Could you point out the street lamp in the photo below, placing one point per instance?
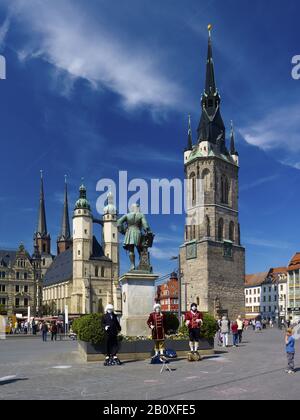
(179, 285)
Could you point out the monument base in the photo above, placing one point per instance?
(138, 298)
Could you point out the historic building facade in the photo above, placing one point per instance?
(266, 294)
(20, 276)
(294, 288)
(85, 274)
(168, 294)
(212, 257)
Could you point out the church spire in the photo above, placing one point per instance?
(210, 83)
(211, 127)
(42, 224)
(190, 138)
(232, 141)
(42, 240)
(64, 239)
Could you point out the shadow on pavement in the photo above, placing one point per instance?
(11, 381)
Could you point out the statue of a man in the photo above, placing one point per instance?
(137, 233)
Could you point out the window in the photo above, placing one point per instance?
(231, 231)
(2, 287)
(96, 271)
(221, 230)
(102, 272)
(224, 189)
(17, 275)
(17, 289)
(25, 302)
(206, 180)
(193, 187)
(25, 276)
(207, 226)
(25, 289)
(17, 301)
(78, 251)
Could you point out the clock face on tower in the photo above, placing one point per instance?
(191, 251)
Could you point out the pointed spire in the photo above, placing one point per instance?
(210, 83)
(211, 126)
(42, 224)
(65, 233)
(232, 141)
(190, 138)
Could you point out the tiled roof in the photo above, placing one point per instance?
(61, 270)
(255, 279)
(7, 257)
(295, 262)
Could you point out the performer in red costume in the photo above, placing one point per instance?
(194, 321)
(157, 323)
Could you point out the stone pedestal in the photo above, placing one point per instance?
(138, 298)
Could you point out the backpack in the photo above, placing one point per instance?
(170, 353)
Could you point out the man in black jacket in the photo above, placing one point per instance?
(112, 328)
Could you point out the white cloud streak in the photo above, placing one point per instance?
(68, 38)
(279, 128)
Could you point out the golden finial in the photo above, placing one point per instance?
(209, 28)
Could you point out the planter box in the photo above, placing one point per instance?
(141, 349)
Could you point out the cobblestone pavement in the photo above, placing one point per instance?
(31, 369)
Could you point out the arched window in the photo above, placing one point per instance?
(206, 180)
(102, 272)
(192, 186)
(224, 189)
(231, 231)
(96, 271)
(208, 227)
(221, 230)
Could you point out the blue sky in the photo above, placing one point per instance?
(96, 87)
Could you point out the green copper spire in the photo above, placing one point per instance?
(82, 202)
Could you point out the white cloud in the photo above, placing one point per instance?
(268, 243)
(279, 128)
(164, 253)
(68, 38)
(4, 28)
(259, 182)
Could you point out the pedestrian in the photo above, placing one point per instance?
(235, 333)
(219, 334)
(44, 331)
(290, 350)
(34, 327)
(240, 325)
(53, 330)
(258, 326)
(271, 323)
(224, 331)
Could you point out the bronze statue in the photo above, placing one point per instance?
(138, 235)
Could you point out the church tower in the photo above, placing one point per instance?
(82, 251)
(111, 245)
(212, 258)
(42, 239)
(64, 241)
